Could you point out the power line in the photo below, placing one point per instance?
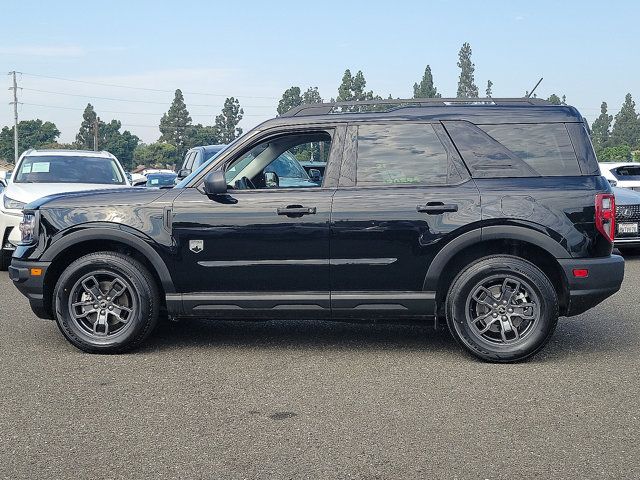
(142, 88)
(129, 113)
(130, 100)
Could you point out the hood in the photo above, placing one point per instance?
(624, 196)
(99, 198)
(28, 192)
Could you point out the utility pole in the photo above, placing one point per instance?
(96, 123)
(15, 115)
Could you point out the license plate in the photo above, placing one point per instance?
(625, 228)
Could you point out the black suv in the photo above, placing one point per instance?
(489, 214)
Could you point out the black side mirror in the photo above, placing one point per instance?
(183, 173)
(215, 183)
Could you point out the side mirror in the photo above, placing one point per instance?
(271, 180)
(139, 183)
(613, 183)
(183, 173)
(215, 183)
(315, 175)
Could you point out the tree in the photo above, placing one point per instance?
(290, 98)
(353, 88)
(619, 153)
(312, 95)
(202, 135)
(33, 134)
(175, 124)
(425, 88)
(226, 124)
(626, 129)
(156, 154)
(601, 129)
(85, 136)
(122, 145)
(556, 100)
(489, 91)
(466, 83)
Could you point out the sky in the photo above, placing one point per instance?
(255, 50)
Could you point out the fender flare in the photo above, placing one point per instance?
(115, 234)
(497, 232)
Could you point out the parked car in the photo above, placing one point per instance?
(627, 220)
(622, 175)
(39, 173)
(161, 179)
(196, 156)
(491, 216)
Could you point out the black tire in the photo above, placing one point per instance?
(474, 304)
(5, 259)
(140, 297)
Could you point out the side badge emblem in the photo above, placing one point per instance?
(196, 246)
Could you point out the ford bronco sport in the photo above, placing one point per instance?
(490, 215)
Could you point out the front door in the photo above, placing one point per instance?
(263, 246)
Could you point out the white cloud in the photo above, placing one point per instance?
(44, 51)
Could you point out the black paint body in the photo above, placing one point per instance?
(366, 252)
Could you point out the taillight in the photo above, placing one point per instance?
(606, 215)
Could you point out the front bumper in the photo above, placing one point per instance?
(31, 284)
(604, 279)
(627, 242)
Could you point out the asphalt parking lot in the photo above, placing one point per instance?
(320, 400)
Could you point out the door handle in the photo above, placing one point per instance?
(437, 208)
(296, 211)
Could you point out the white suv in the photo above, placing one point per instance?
(39, 173)
(622, 175)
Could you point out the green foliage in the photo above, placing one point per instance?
(353, 88)
(290, 98)
(175, 125)
(425, 88)
(489, 91)
(32, 133)
(601, 129)
(122, 145)
(556, 100)
(626, 129)
(202, 135)
(312, 95)
(84, 138)
(158, 154)
(466, 83)
(226, 124)
(619, 153)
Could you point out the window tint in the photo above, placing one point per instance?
(69, 169)
(188, 163)
(403, 154)
(545, 147)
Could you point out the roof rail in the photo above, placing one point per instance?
(395, 104)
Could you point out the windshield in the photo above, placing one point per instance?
(286, 166)
(69, 169)
(160, 180)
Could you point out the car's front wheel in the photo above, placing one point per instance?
(502, 308)
(106, 302)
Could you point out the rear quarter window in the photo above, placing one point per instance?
(545, 147)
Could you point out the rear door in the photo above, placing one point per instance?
(403, 193)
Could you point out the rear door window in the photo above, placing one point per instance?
(400, 154)
(545, 147)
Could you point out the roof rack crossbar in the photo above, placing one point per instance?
(331, 107)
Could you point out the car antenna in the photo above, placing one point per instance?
(528, 95)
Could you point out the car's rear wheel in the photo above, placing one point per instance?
(106, 302)
(502, 308)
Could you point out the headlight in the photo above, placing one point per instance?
(11, 204)
(28, 227)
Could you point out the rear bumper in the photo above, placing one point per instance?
(31, 286)
(604, 279)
